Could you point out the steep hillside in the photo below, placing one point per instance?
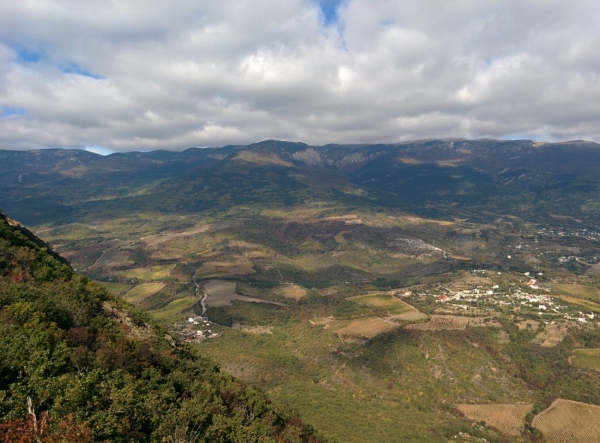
(79, 365)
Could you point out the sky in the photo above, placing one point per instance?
(121, 75)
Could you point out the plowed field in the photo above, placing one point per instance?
(567, 421)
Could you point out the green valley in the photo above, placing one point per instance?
(434, 291)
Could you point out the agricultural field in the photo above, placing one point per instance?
(143, 291)
(391, 304)
(174, 309)
(567, 421)
(507, 418)
(587, 292)
(366, 328)
(115, 288)
(148, 273)
(586, 358)
(222, 293)
(224, 269)
(294, 292)
(583, 304)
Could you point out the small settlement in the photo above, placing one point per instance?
(196, 329)
(528, 298)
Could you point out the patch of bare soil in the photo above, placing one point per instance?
(552, 335)
(321, 321)
(291, 291)
(350, 219)
(339, 237)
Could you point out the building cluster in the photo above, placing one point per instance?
(518, 298)
(588, 234)
(191, 334)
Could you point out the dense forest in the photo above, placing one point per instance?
(79, 365)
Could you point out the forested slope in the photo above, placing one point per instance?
(77, 365)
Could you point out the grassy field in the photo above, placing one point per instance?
(366, 327)
(391, 304)
(586, 358)
(356, 418)
(148, 273)
(508, 419)
(588, 305)
(580, 291)
(568, 421)
(140, 292)
(115, 288)
(224, 269)
(173, 309)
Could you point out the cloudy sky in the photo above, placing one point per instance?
(152, 74)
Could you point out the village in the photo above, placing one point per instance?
(195, 329)
(588, 234)
(528, 298)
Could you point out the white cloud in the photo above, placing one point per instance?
(133, 74)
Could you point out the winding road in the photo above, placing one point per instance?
(204, 308)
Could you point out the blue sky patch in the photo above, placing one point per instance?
(329, 9)
(29, 56)
(7, 111)
(74, 68)
(101, 150)
(523, 136)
